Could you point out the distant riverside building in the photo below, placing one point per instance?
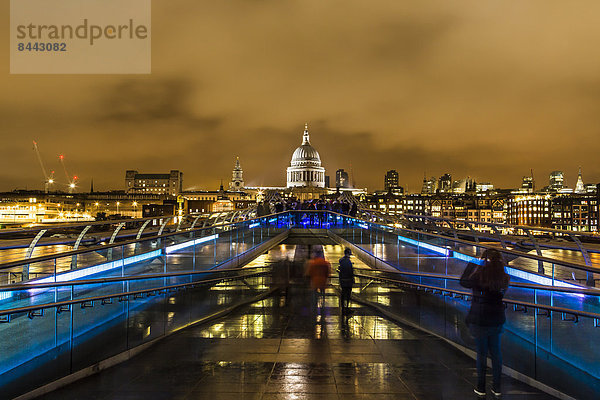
(429, 185)
(305, 169)
(394, 204)
(237, 179)
(469, 207)
(527, 184)
(341, 179)
(20, 207)
(531, 210)
(557, 181)
(575, 212)
(391, 180)
(464, 186)
(158, 210)
(484, 187)
(165, 184)
(445, 183)
(205, 201)
(579, 186)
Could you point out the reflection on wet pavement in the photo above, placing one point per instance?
(278, 349)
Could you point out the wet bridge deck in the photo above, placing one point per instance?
(280, 349)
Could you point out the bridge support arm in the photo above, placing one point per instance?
(589, 281)
(29, 253)
(77, 243)
(538, 250)
(112, 240)
(499, 235)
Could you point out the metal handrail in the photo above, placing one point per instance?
(94, 223)
(116, 279)
(574, 236)
(466, 295)
(521, 285)
(59, 304)
(12, 264)
(78, 224)
(569, 264)
(503, 225)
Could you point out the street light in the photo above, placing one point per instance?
(118, 207)
(134, 204)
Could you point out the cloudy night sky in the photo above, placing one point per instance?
(486, 89)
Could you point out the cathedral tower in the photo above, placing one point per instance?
(237, 179)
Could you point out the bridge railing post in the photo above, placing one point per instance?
(194, 258)
(215, 245)
(419, 238)
(231, 238)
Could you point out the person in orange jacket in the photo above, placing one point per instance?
(318, 271)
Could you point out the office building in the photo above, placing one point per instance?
(341, 179)
(162, 184)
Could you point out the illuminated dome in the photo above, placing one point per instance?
(305, 168)
(306, 154)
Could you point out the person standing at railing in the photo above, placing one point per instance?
(346, 277)
(486, 316)
(353, 210)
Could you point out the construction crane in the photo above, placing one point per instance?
(48, 179)
(71, 181)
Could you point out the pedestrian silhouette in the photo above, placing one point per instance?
(486, 316)
(346, 278)
(318, 270)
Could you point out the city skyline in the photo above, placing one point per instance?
(376, 178)
(432, 88)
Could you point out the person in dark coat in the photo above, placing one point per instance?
(353, 210)
(345, 208)
(346, 277)
(486, 317)
(281, 277)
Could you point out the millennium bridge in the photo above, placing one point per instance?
(195, 307)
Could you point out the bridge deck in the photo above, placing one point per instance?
(278, 349)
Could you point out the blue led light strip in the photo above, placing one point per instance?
(96, 269)
(517, 273)
(254, 225)
(434, 248)
(179, 246)
(541, 279)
